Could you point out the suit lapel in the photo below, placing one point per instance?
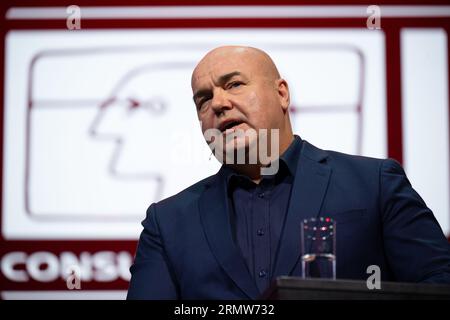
(306, 199)
(214, 213)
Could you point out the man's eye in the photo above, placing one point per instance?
(234, 84)
(201, 104)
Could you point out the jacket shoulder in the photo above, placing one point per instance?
(185, 197)
(348, 162)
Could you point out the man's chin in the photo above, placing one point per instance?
(237, 151)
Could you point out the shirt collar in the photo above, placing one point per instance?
(291, 155)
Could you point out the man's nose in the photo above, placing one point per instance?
(220, 102)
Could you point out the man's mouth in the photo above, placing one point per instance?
(230, 125)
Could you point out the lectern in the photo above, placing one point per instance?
(293, 288)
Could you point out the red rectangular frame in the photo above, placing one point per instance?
(390, 25)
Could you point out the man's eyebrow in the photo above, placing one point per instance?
(226, 77)
(222, 79)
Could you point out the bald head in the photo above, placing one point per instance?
(239, 56)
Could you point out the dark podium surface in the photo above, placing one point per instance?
(293, 288)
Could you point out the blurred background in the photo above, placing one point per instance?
(98, 120)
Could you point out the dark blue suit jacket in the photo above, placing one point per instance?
(186, 250)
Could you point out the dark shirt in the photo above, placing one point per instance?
(258, 213)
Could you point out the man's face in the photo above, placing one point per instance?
(235, 89)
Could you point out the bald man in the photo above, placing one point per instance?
(237, 88)
(229, 235)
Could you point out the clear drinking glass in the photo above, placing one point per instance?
(318, 248)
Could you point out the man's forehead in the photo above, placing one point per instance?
(248, 61)
(205, 77)
(218, 64)
(213, 72)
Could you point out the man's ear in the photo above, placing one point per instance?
(283, 94)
